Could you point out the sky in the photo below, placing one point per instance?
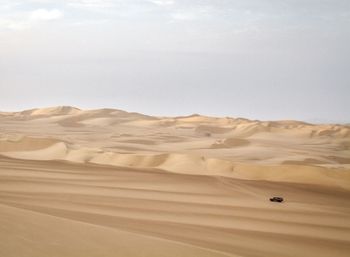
(258, 59)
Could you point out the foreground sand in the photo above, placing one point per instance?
(111, 183)
(61, 209)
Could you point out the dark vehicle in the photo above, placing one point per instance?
(276, 199)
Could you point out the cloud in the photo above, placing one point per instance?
(26, 20)
(162, 2)
(13, 24)
(193, 13)
(91, 4)
(184, 16)
(45, 15)
(41, 1)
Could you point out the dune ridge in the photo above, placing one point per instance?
(175, 162)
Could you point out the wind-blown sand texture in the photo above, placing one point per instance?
(112, 183)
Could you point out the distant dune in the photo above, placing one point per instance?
(203, 145)
(192, 185)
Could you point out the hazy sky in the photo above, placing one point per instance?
(262, 59)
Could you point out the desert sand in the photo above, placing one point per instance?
(108, 182)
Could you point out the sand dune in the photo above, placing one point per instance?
(291, 171)
(230, 143)
(51, 111)
(112, 183)
(89, 210)
(25, 144)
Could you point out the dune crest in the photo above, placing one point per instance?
(24, 143)
(290, 171)
(52, 111)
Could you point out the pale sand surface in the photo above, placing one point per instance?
(111, 183)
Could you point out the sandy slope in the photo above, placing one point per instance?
(289, 151)
(111, 183)
(60, 209)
